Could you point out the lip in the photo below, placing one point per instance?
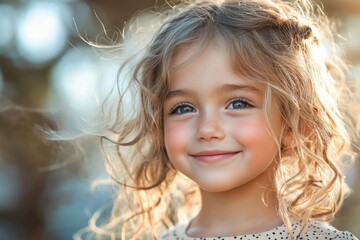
(213, 156)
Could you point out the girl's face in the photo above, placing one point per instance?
(214, 122)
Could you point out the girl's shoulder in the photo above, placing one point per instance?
(177, 232)
(324, 230)
(314, 230)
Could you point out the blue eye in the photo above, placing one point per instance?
(238, 104)
(182, 109)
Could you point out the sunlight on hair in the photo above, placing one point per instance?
(320, 52)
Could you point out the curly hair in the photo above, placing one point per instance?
(293, 44)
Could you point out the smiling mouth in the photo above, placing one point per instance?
(213, 157)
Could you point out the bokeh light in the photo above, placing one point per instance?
(74, 79)
(42, 32)
(1, 81)
(353, 35)
(9, 194)
(79, 82)
(45, 65)
(7, 26)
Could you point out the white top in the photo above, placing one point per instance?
(314, 230)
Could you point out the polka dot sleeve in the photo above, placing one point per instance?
(314, 230)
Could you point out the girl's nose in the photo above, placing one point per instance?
(210, 130)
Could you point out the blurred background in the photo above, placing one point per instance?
(46, 68)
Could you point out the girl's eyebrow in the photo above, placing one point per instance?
(233, 87)
(223, 88)
(179, 93)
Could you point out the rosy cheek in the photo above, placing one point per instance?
(175, 137)
(248, 130)
(170, 140)
(252, 133)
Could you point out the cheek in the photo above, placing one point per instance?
(251, 131)
(254, 136)
(175, 137)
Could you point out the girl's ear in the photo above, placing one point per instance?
(287, 138)
(304, 129)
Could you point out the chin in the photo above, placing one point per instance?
(217, 187)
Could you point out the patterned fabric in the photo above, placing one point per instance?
(314, 230)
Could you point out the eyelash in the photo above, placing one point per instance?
(174, 109)
(242, 100)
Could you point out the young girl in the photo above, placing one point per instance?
(238, 130)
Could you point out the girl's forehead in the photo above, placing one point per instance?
(204, 49)
(188, 52)
(210, 61)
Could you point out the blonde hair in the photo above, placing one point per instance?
(293, 44)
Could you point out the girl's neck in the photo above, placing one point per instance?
(236, 212)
